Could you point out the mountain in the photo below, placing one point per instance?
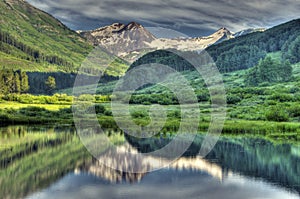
(131, 40)
(192, 44)
(33, 40)
(242, 52)
(248, 31)
(119, 38)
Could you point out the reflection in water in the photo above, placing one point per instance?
(252, 157)
(278, 164)
(37, 158)
(123, 161)
(34, 159)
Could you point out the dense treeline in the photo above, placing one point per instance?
(239, 57)
(271, 40)
(42, 83)
(240, 53)
(291, 50)
(13, 81)
(39, 82)
(164, 57)
(269, 70)
(31, 53)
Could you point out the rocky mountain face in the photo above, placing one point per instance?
(120, 39)
(192, 44)
(132, 40)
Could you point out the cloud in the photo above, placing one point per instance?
(193, 17)
(164, 185)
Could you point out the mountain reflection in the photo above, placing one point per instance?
(123, 161)
(277, 164)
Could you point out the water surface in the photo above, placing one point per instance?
(47, 162)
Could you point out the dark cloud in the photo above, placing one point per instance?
(191, 17)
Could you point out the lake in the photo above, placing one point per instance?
(50, 162)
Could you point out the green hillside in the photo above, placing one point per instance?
(33, 40)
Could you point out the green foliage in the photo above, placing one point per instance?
(269, 70)
(86, 97)
(282, 97)
(61, 99)
(100, 109)
(13, 82)
(51, 84)
(239, 57)
(233, 99)
(164, 57)
(294, 111)
(277, 114)
(34, 36)
(271, 40)
(291, 50)
(147, 99)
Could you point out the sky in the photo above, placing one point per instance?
(190, 17)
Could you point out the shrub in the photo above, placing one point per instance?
(86, 97)
(33, 111)
(277, 114)
(108, 113)
(65, 110)
(282, 97)
(233, 99)
(294, 111)
(139, 114)
(100, 109)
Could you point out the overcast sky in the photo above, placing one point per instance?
(191, 17)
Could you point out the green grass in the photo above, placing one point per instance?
(42, 32)
(16, 106)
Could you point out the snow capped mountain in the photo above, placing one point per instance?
(119, 38)
(192, 44)
(132, 40)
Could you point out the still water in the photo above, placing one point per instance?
(51, 162)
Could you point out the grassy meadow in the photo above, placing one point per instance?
(270, 110)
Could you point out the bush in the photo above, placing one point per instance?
(65, 111)
(282, 97)
(270, 102)
(33, 111)
(100, 109)
(233, 99)
(294, 89)
(294, 111)
(108, 113)
(87, 98)
(139, 114)
(277, 114)
(203, 96)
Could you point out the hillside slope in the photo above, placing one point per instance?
(27, 33)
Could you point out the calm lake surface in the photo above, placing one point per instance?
(48, 162)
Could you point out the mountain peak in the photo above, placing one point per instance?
(133, 25)
(223, 29)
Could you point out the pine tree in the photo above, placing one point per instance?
(17, 83)
(269, 70)
(24, 82)
(51, 84)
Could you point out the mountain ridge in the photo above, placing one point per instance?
(130, 40)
